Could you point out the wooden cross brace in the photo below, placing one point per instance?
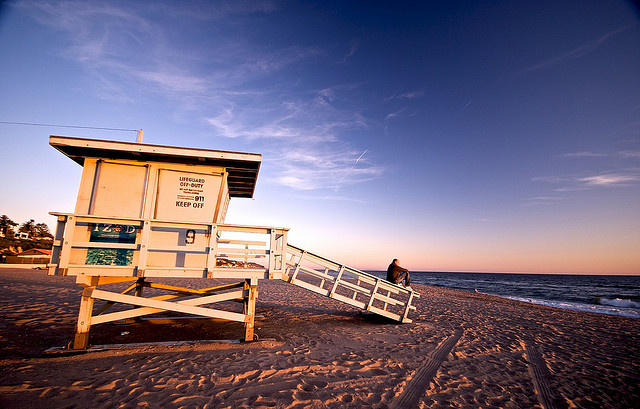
(246, 292)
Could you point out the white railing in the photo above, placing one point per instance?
(115, 246)
(348, 285)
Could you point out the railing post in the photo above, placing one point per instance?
(335, 283)
(282, 251)
(213, 249)
(57, 244)
(326, 272)
(355, 293)
(298, 266)
(373, 295)
(144, 248)
(272, 252)
(67, 241)
(408, 307)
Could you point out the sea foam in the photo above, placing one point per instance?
(599, 309)
(619, 302)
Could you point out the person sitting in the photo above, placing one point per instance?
(397, 274)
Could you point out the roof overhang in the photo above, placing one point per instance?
(242, 168)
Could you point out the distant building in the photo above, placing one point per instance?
(21, 236)
(31, 256)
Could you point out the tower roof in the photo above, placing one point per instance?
(242, 167)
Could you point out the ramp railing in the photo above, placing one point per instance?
(348, 285)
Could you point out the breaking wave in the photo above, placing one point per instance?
(622, 311)
(619, 302)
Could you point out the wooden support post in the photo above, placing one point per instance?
(81, 339)
(139, 287)
(250, 297)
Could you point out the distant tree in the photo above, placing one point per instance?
(42, 230)
(28, 227)
(6, 225)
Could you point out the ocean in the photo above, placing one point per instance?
(603, 294)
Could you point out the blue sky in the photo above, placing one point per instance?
(453, 135)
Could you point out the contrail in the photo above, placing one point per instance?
(576, 53)
(335, 188)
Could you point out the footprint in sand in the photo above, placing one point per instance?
(348, 398)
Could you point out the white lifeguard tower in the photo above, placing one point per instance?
(148, 211)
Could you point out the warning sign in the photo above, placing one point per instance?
(191, 192)
(187, 196)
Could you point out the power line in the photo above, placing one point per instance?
(69, 126)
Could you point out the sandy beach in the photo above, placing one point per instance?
(463, 349)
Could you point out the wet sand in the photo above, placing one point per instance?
(463, 349)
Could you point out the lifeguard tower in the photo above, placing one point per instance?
(146, 212)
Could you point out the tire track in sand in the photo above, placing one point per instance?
(541, 375)
(418, 385)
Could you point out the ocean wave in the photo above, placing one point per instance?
(621, 286)
(619, 302)
(598, 309)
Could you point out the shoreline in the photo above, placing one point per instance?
(463, 348)
(581, 307)
(587, 293)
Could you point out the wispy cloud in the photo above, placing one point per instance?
(134, 42)
(407, 95)
(237, 88)
(311, 121)
(355, 44)
(306, 138)
(275, 61)
(587, 155)
(624, 175)
(175, 81)
(610, 179)
(395, 114)
(623, 178)
(220, 9)
(576, 52)
(401, 100)
(540, 200)
(333, 198)
(630, 154)
(96, 31)
(584, 155)
(308, 170)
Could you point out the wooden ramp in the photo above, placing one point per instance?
(348, 285)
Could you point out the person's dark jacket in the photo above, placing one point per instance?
(394, 271)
